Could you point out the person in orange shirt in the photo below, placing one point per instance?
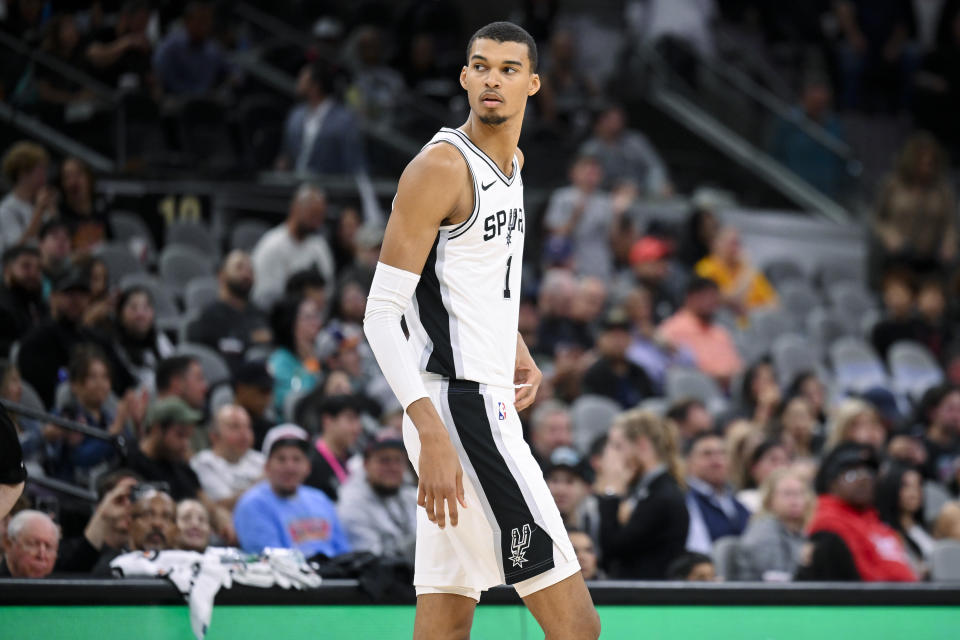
(743, 286)
(693, 327)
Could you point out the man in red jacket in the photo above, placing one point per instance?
(848, 540)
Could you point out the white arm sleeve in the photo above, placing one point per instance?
(389, 297)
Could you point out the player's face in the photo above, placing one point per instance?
(498, 80)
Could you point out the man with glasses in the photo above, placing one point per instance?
(848, 541)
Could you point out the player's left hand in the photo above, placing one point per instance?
(526, 373)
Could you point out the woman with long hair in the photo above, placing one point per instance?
(856, 420)
(136, 340)
(899, 502)
(84, 213)
(296, 323)
(643, 515)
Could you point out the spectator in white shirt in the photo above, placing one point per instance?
(231, 466)
(30, 199)
(296, 245)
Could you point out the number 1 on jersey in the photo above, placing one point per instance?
(506, 282)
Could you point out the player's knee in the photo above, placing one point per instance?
(582, 627)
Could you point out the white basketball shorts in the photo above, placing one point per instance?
(511, 531)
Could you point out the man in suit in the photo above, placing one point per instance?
(320, 134)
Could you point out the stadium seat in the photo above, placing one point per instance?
(220, 397)
(200, 293)
(195, 235)
(179, 265)
(246, 234)
(691, 383)
(913, 368)
(798, 298)
(29, 397)
(119, 260)
(852, 301)
(831, 270)
(824, 327)
(792, 354)
(128, 226)
(591, 416)
(945, 561)
(724, 553)
(856, 366)
(768, 324)
(783, 271)
(214, 366)
(657, 406)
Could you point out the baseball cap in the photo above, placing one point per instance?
(615, 318)
(72, 279)
(255, 374)
(52, 225)
(567, 459)
(386, 441)
(846, 456)
(172, 410)
(284, 434)
(648, 249)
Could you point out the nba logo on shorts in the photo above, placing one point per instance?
(501, 411)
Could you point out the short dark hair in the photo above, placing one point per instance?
(170, 368)
(506, 32)
(678, 411)
(305, 279)
(680, 568)
(81, 358)
(15, 252)
(698, 284)
(106, 483)
(703, 435)
(283, 317)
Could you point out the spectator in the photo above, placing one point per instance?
(899, 500)
(349, 223)
(188, 61)
(567, 95)
(857, 421)
(162, 453)
(947, 524)
(13, 471)
(293, 246)
(378, 509)
(612, 375)
(182, 377)
(743, 287)
(193, 526)
(83, 211)
(308, 283)
(340, 429)
(569, 478)
(30, 546)
(320, 135)
(21, 295)
(795, 424)
(28, 431)
(557, 327)
(253, 392)
(699, 231)
(153, 526)
(693, 327)
(550, 429)
(296, 323)
(899, 321)
(690, 417)
(56, 91)
(75, 457)
(102, 305)
(230, 466)
(797, 150)
(136, 340)
(376, 89)
(936, 332)
(30, 200)
(55, 250)
(647, 349)
(643, 520)
(120, 54)
(626, 155)
(586, 550)
(849, 540)
(942, 432)
(759, 395)
(762, 461)
(281, 511)
(649, 262)
(915, 224)
(46, 349)
(807, 384)
(692, 567)
(231, 325)
(714, 510)
(771, 546)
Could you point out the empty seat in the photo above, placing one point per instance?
(220, 397)
(128, 226)
(246, 234)
(200, 293)
(852, 301)
(215, 368)
(792, 354)
(913, 368)
(945, 561)
(782, 271)
(691, 383)
(179, 265)
(824, 327)
(195, 235)
(725, 553)
(119, 260)
(798, 298)
(856, 366)
(831, 270)
(768, 324)
(591, 416)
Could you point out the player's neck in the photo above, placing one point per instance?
(497, 141)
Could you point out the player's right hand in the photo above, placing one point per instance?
(441, 479)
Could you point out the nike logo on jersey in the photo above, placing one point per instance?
(487, 186)
(495, 223)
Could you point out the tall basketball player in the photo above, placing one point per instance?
(442, 321)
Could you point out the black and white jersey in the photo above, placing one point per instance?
(463, 318)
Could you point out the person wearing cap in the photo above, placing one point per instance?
(21, 295)
(281, 511)
(693, 327)
(847, 538)
(743, 287)
(54, 251)
(231, 465)
(231, 324)
(378, 509)
(612, 375)
(649, 259)
(253, 392)
(45, 350)
(340, 429)
(569, 477)
(163, 451)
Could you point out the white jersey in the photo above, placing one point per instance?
(462, 322)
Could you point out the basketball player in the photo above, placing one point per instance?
(442, 321)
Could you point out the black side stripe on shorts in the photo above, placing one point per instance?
(434, 317)
(526, 549)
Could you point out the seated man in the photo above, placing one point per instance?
(253, 392)
(153, 526)
(230, 466)
(568, 476)
(21, 295)
(162, 453)
(341, 426)
(714, 511)
(30, 546)
(281, 512)
(378, 511)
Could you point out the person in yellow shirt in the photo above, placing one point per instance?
(743, 286)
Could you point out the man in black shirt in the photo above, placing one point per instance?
(12, 471)
(21, 295)
(161, 456)
(613, 375)
(120, 55)
(340, 417)
(232, 324)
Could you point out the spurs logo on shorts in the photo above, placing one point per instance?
(519, 542)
